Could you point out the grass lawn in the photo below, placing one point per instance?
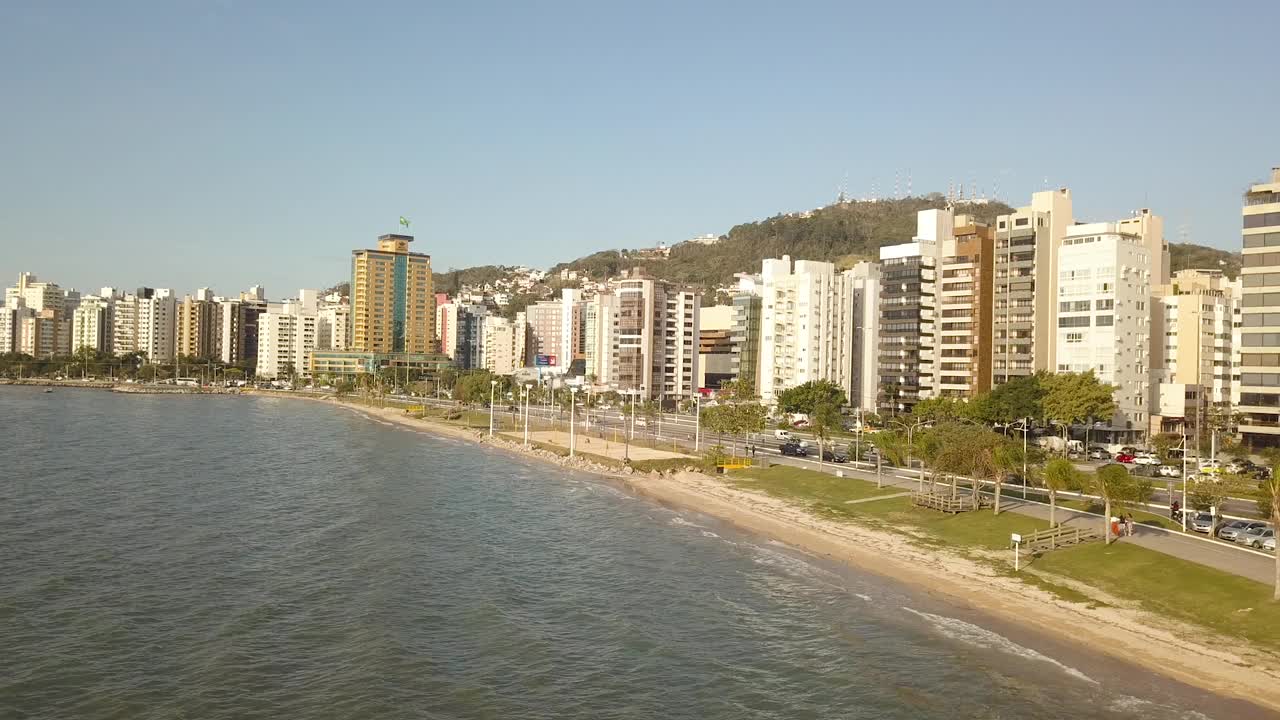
(1159, 583)
(1173, 588)
(828, 495)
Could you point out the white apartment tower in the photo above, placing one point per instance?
(1103, 316)
(287, 337)
(1192, 320)
(865, 296)
(806, 323)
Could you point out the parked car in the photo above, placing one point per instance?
(1124, 457)
(1240, 466)
(1254, 537)
(1230, 531)
(781, 435)
(1099, 454)
(1211, 466)
(793, 449)
(1169, 471)
(1269, 544)
(1202, 523)
(829, 455)
(1129, 450)
(1146, 459)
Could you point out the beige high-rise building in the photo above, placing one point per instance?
(1260, 316)
(1191, 347)
(392, 307)
(964, 302)
(1024, 315)
(199, 328)
(655, 344)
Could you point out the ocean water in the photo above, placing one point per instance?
(223, 557)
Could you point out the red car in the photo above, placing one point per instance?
(1124, 458)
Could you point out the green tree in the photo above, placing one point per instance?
(824, 419)
(1114, 485)
(1006, 458)
(892, 446)
(1073, 398)
(1059, 474)
(804, 398)
(940, 409)
(1021, 397)
(1164, 444)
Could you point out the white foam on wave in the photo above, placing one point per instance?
(708, 533)
(971, 634)
(677, 520)
(862, 596)
(1128, 703)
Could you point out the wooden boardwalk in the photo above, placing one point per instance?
(946, 503)
(1058, 537)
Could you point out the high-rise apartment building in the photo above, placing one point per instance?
(199, 326)
(715, 346)
(544, 335)
(1260, 316)
(10, 322)
(1103, 317)
(806, 324)
(287, 337)
(1024, 304)
(238, 327)
(498, 344)
(91, 324)
(392, 305)
(597, 329)
(908, 314)
(745, 335)
(46, 330)
(333, 326)
(964, 307)
(1192, 320)
(865, 294)
(572, 339)
(156, 320)
(655, 352)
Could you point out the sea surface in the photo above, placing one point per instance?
(232, 557)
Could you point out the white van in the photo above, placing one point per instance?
(781, 435)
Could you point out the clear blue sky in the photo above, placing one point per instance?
(184, 144)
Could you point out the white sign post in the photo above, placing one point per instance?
(1017, 543)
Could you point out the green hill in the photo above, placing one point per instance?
(841, 233)
(1183, 256)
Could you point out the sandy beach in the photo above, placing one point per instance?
(1208, 661)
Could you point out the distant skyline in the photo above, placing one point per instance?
(226, 144)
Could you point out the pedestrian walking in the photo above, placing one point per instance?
(1128, 524)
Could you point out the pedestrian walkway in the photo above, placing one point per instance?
(877, 497)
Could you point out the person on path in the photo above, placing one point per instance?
(1128, 524)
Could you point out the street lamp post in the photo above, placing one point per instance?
(528, 390)
(697, 420)
(493, 387)
(573, 406)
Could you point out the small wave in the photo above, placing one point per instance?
(981, 637)
(862, 597)
(1128, 703)
(677, 520)
(708, 533)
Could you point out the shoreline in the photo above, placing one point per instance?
(1209, 663)
(1125, 634)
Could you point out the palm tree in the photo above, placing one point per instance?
(1006, 458)
(1059, 475)
(1114, 484)
(824, 418)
